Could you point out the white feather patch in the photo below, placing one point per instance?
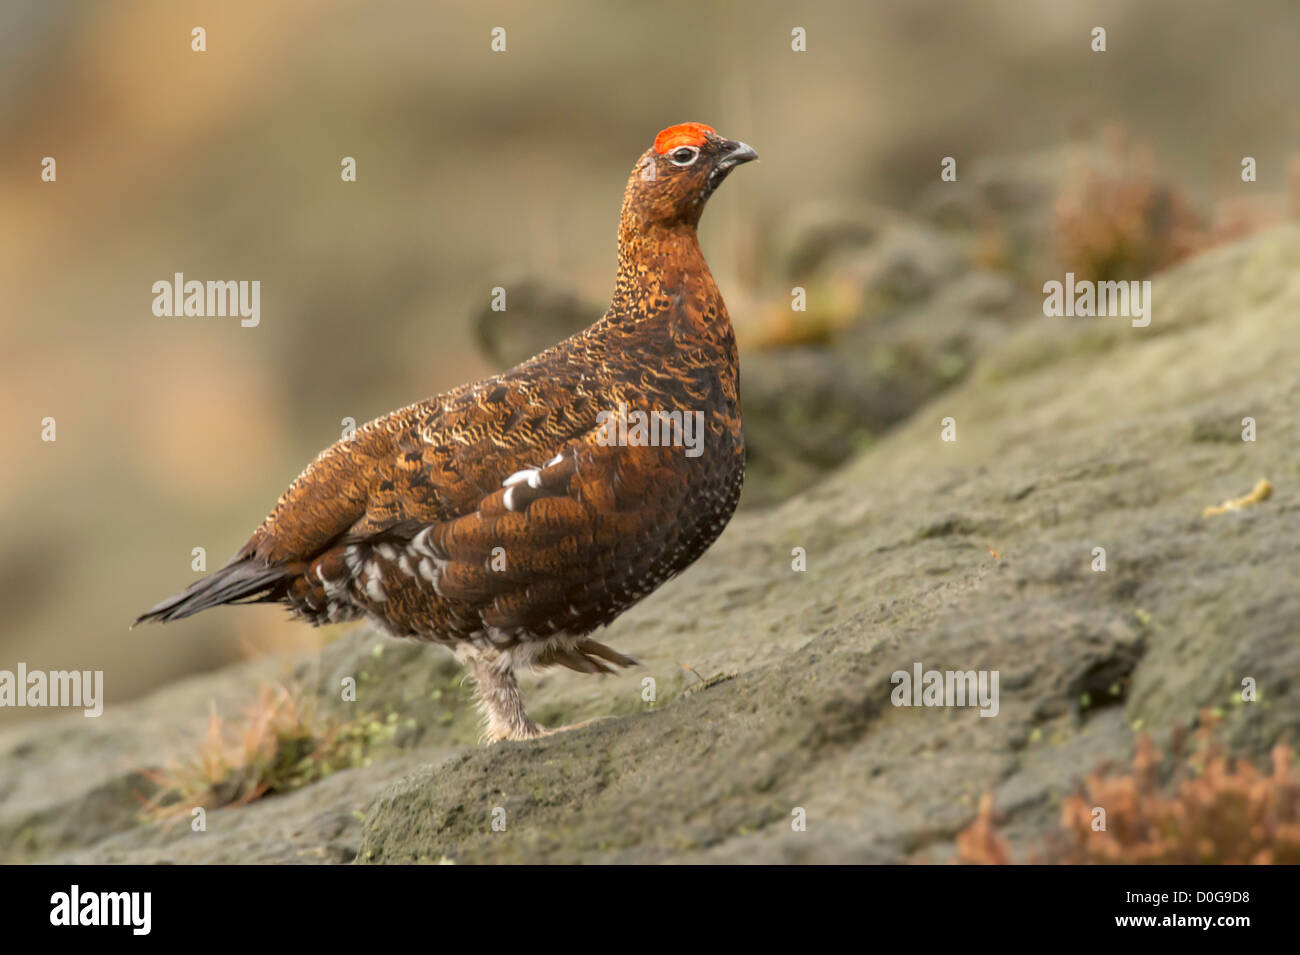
(423, 543)
(527, 474)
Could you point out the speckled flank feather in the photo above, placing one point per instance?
(492, 519)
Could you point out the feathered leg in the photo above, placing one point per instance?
(499, 699)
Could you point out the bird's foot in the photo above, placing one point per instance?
(530, 730)
(496, 732)
(572, 726)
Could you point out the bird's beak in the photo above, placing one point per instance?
(737, 154)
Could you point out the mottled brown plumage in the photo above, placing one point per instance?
(496, 519)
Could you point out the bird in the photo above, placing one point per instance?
(509, 519)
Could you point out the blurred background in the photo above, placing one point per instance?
(478, 169)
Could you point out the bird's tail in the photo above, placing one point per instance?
(243, 580)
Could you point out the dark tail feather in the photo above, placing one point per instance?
(584, 658)
(241, 581)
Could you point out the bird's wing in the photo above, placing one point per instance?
(431, 461)
(427, 463)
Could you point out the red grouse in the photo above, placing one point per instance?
(510, 518)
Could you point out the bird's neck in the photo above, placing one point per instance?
(659, 265)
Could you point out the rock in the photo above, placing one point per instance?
(817, 233)
(865, 260)
(895, 314)
(907, 263)
(1099, 207)
(538, 314)
(1010, 198)
(810, 408)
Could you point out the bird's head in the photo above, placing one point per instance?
(675, 176)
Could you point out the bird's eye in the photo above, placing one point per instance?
(684, 156)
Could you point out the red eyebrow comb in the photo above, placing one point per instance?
(686, 134)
